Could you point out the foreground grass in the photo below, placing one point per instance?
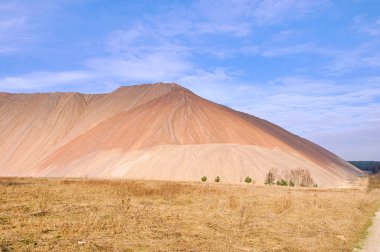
(98, 215)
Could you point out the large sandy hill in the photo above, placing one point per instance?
(152, 131)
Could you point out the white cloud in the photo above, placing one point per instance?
(215, 84)
(13, 22)
(229, 17)
(156, 66)
(305, 104)
(105, 73)
(284, 35)
(363, 25)
(43, 79)
(365, 56)
(273, 11)
(248, 13)
(339, 61)
(277, 51)
(122, 40)
(20, 21)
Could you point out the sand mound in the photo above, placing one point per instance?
(158, 131)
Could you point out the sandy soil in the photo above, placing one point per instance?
(373, 242)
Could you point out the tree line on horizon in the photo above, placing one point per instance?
(369, 166)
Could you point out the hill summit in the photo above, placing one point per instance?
(152, 131)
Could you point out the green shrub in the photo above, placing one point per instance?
(217, 179)
(204, 179)
(315, 185)
(282, 182)
(248, 179)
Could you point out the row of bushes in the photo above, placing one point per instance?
(217, 179)
(297, 177)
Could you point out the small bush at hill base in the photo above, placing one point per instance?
(247, 179)
(282, 182)
(217, 179)
(204, 179)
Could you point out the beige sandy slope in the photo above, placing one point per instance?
(231, 162)
(159, 131)
(32, 126)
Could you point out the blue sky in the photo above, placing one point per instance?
(312, 67)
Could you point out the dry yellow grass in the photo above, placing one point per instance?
(99, 215)
(374, 182)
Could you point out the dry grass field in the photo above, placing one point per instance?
(100, 215)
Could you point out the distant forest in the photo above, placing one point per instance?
(371, 166)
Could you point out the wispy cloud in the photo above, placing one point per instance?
(338, 61)
(284, 35)
(149, 67)
(272, 11)
(36, 80)
(13, 22)
(6, 25)
(305, 104)
(364, 56)
(22, 21)
(363, 25)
